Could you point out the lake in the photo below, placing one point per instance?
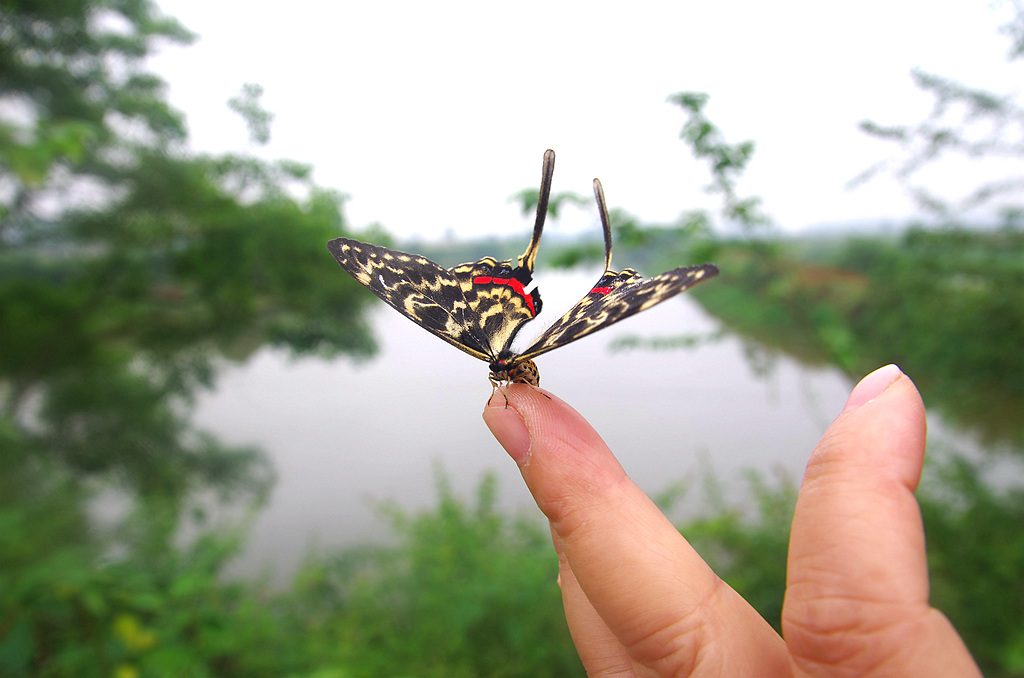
(343, 435)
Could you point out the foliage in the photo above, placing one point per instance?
(747, 545)
(948, 305)
(975, 557)
(945, 305)
(752, 261)
(528, 198)
(71, 87)
(257, 119)
(973, 127)
(726, 163)
(128, 267)
(158, 611)
(465, 591)
(126, 262)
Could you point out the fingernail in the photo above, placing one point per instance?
(508, 427)
(872, 386)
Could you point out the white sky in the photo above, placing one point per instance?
(430, 115)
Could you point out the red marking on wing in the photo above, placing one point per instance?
(511, 282)
(601, 290)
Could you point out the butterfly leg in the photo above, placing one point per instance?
(539, 391)
(525, 372)
(496, 386)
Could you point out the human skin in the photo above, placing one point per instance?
(639, 601)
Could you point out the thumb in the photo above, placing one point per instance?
(857, 582)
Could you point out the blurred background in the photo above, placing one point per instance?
(222, 456)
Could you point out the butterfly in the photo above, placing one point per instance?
(480, 307)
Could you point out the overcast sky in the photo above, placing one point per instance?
(430, 115)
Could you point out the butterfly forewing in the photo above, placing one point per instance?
(615, 296)
(416, 287)
(477, 307)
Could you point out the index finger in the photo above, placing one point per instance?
(644, 580)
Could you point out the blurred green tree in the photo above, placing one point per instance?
(975, 129)
(129, 264)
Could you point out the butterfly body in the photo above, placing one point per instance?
(479, 307)
(514, 371)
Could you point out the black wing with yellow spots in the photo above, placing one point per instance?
(615, 296)
(478, 307)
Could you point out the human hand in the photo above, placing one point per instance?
(640, 601)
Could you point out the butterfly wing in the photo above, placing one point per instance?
(499, 303)
(615, 296)
(477, 307)
(416, 287)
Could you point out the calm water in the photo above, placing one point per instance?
(344, 435)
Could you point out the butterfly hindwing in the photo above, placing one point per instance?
(498, 301)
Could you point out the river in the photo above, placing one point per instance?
(344, 435)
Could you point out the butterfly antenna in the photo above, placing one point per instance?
(602, 207)
(542, 210)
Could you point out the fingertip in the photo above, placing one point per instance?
(872, 386)
(884, 400)
(553, 445)
(883, 421)
(510, 408)
(508, 427)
